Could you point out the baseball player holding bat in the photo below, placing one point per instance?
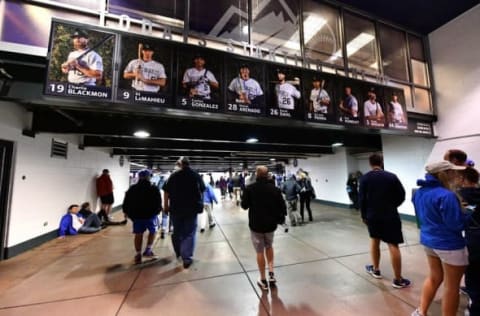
(372, 109)
(245, 88)
(83, 66)
(286, 92)
(146, 73)
(198, 80)
(319, 98)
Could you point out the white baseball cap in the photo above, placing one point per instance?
(444, 165)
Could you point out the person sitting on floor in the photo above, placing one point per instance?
(85, 210)
(73, 223)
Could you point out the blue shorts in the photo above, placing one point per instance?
(141, 225)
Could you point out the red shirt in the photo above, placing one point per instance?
(104, 185)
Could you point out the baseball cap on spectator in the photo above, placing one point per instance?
(444, 165)
(79, 33)
(144, 174)
(147, 46)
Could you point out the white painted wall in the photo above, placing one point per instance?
(328, 174)
(50, 184)
(406, 157)
(455, 55)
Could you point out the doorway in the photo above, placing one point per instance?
(6, 152)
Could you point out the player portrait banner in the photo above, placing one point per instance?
(319, 102)
(285, 93)
(374, 106)
(199, 80)
(349, 103)
(80, 62)
(145, 71)
(245, 87)
(396, 109)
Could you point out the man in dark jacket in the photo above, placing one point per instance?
(142, 204)
(183, 193)
(379, 196)
(266, 209)
(291, 189)
(470, 193)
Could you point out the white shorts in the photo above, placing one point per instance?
(457, 257)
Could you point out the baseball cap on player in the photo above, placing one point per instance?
(444, 165)
(198, 55)
(244, 66)
(144, 174)
(147, 46)
(281, 71)
(79, 33)
(316, 79)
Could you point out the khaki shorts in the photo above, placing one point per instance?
(261, 241)
(457, 257)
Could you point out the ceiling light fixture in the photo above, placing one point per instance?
(337, 144)
(252, 140)
(141, 134)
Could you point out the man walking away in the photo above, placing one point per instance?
(379, 196)
(291, 188)
(142, 204)
(183, 198)
(266, 209)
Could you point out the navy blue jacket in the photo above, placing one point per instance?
(142, 200)
(379, 195)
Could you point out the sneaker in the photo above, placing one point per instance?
(202, 230)
(212, 225)
(375, 273)
(416, 313)
(271, 279)
(138, 258)
(263, 284)
(148, 253)
(400, 284)
(187, 264)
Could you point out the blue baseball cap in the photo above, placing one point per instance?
(144, 174)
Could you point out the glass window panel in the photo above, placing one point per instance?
(393, 51)
(419, 72)
(361, 43)
(407, 91)
(422, 101)
(152, 10)
(321, 33)
(416, 48)
(225, 19)
(275, 25)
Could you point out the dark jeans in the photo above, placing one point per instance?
(472, 282)
(91, 225)
(305, 201)
(183, 237)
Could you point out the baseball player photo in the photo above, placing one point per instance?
(397, 117)
(372, 110)
(244, 93)
(199, 85)
(348, 107)
(286, 94)
(146, 68)
(80, 62)
(318, 103)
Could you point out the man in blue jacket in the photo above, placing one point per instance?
(208, 199)
(380, 194)
(73, 223)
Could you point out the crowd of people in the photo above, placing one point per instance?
(445, 202)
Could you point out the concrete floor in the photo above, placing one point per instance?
(319, 268)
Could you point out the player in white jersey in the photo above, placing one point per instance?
(372, 109)
(396, 111)
(319, 98)
(146, 73)
(82, 66)
(246, 89)
(199, 80)
(285, 92)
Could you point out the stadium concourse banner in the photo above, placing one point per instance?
(97, 64)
